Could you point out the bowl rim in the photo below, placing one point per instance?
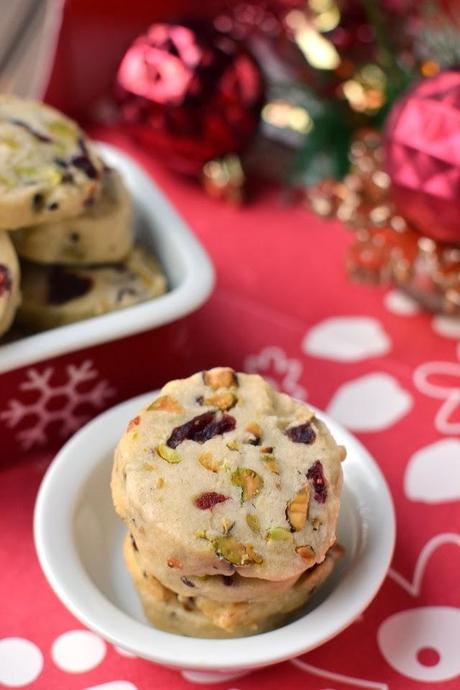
(190, 293)
(58, 556)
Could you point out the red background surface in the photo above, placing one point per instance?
(280, 272)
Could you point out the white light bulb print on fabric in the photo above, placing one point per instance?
(370, 403)
(347, 339)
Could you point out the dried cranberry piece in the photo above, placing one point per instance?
(82, 146)
(208, 500)
(64, 285)
(38, 202)
(133, 422)
(5, 279)
(201, 428)
(188, 604)
(89, 201)
(133, 542)
(84, 163)
(228, 580)
(316, 476)
(304, 433)
(38, 135)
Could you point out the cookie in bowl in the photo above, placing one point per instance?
(231, 490)
(197, 616)
(79, 541)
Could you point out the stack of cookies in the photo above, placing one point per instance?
(69, 219)
(230, 492)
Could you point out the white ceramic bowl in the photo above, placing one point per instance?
(159, 227)
(78, 540)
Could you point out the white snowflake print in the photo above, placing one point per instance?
(278, 369)
(39, 414)
(428, 379)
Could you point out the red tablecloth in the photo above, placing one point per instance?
(283, 307)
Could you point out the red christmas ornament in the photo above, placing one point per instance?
(189, 94)
(422, 151)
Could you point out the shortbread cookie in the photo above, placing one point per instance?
(222, 474)
(269, 613)
(164, 608)
(102, 234)
(201, 617)
(9, 282)
(216, 587)
(48, 168)
(58, 295)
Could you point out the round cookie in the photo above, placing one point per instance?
(48, 169)
(10, 294)
(269, 613)
(102, 234)
(58, 295)
(163, 608)
(223, 474)
(216, 587)
(202, 617)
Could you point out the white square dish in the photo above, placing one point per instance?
(187, 266)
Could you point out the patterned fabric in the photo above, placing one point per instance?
(284, 308)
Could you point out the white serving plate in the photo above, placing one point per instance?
(79, 539)
(159, 227)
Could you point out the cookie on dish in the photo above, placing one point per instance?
(201, 617)
(221, 474)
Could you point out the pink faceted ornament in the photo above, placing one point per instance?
(422, 151)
